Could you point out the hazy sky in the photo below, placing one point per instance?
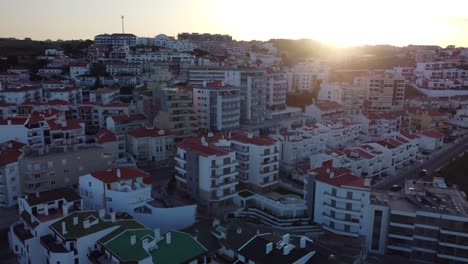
(341, 22)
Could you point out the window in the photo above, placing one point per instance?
(89, 184)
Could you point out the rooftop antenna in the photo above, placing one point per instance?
(123, 28)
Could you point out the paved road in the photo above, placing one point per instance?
(434, 163)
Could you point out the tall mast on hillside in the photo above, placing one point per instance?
(123, 28)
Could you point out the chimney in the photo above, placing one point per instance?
(102, 213)
(258, 232)
(65, 209)
(46, 209)
(287, 249)
(332, 175)
(285, 238)
(118, 173)
(64, 228)
(215, 222)
(367, 182)
(86, 224)
(239, 230)
(9, 122)
(168, 238)
(229, 135)
(250, 135)
(161, 132)
(145, 244)
(37, 194)
(269, 248)
(210, 134)
(75, 220)
(302, 242)
(157, 234)
(203, 141)
(113, 217)
(133, 240)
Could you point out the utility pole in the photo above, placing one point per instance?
(123, 28)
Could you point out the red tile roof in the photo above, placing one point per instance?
(144, 131)
(340, 177)
(70, 124)
(194, 144)
(105, 135)
(8, 156)
(254, 140)
(58, 102)
(328, 105)
(359, 151)
(432, 134)
(15, 120)
(218, 84)
(126, 173)
(408, 135)
(13, 144)
(128, 118)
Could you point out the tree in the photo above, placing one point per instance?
(12, 60)
(98, 69)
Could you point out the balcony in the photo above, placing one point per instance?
(341, 221)
(224, 184)
(342, 199)
(180, 178)
(339, 232)
(270, 154)
(52, 245)
(224, 165)
(342, 210)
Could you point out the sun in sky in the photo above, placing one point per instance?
(338, 22)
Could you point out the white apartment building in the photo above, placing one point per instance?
(431, 139)
(198, 75)
(104, 95)
(341, 131)
(384, 92)
(341, 200)
(206, 171)
(66, 132)
(118, 190)
(21, 94)
(305, 74)
(300, 144)
(10, 186)
(111, 143)
(217, 106)
(37, 212)
(116, 68)
(128, 189)
(258, 158)
(350, 96)
(30, 130)
(70, 94)
(77, 70)
(150, 144)
(324, 110)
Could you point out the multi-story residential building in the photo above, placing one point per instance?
(300, 144)
(407, 72)
(426, 221)
(217, 106)
(150, 144)
(203, 37)
(176, 112)
(78, 69)
(431, 139)
(426, 119)
(253, 89)
(20, 94)
(115, 39)
(121, 124)
(305, 75)
(365, 161)
(381, 123)
(384, 92)
(66, 133)
(118, 68)
(95, 115)
(60, 167)
(104, 95)
(324, 110)
(277, 86)
(128, 189)
(70, 94)
(37, 212)
(32, 130)
(350, 96)
(206, 171)
(258, 159)
(341, 200)
(10, 189)
(341, 131)
(111, 143)
(198, 75)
